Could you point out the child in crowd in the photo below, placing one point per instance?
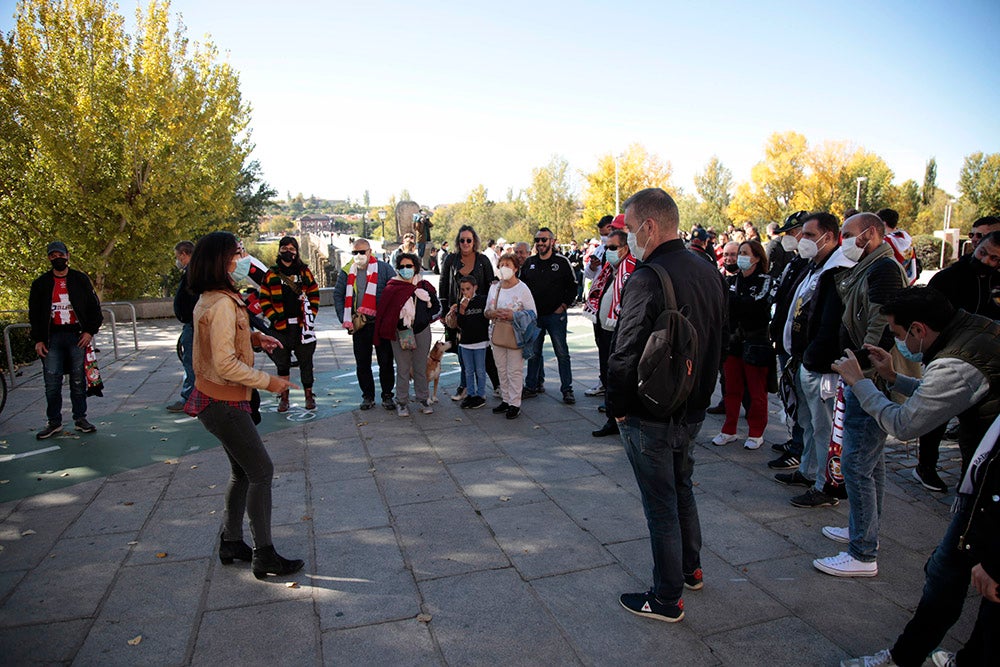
(474, 341)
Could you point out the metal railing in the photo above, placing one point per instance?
(114, 335)
(7, 346)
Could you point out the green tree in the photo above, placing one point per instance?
(905, 199)
(550, 198)
(928, 192)
(637, 169)
(253, 196)
(979, 183)
(774, 181)
(715, 187)
(876, 189)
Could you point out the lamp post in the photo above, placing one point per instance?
(616, 186)
(364, 224)
(857, 196)
(947, 226)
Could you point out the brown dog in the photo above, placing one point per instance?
(434, 366)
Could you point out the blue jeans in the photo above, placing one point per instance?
(64, 357)
(555, 326)
(662, 458)
(945, 587)
(474, 367)
(862, 460)
(815, 418)
(187, 350)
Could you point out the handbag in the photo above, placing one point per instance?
(757, 353)
(359, 320)
(407, 339)
(503, 331)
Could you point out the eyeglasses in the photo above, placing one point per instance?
(359, 252)
(406, 266)
(466, 240)
(542, 239)
(612, 247)
(976, 235)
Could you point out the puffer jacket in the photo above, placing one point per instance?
(864, 290)
(223, 349)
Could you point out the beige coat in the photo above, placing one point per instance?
(223, 349)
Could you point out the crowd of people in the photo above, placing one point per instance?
(826, 314)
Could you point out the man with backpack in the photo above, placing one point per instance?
(657, 421)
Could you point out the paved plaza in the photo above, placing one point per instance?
(458, 538)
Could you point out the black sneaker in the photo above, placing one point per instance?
(602, 408)
(367, 403)
(793, 479)
(782, 447)
(694, 581)
(466, 402)
(814, 498)
(929, 479)
(646, 604)
(84, 426)
(784, 462)
(388, 403)
(568, 397)
(503, 407)
(529, 393)
(49, 431)
(476, 402)
(513, 412)
(609, 428)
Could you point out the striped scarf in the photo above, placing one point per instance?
(368, 300)
(593, 305)
(625, 269)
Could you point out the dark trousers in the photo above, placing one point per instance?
(291, 340)
(65, 356)
(945, 587)
(603, 338)
(798, 432)
(363, 341)
(662, 458)
(249, 489)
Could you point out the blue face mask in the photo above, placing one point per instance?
(242, 269)
(743, 262)
(916, 357)
(406, 274)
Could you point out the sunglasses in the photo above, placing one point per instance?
(542, 239)
(611, 247)
(465, 240)
(359, 252)
(976, 235)
(406, 266)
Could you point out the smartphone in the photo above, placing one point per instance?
(864, 358)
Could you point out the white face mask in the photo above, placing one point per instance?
(808, 249)
(789, 242)
(852, 250)
(637, 250)
(505, 273)
(604, 239)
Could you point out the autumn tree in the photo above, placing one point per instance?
(876, 189)
(774, 181)
(637, 169)
(979, 183)
(715, 187)
(550, 199)
(117, 144)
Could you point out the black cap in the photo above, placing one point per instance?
(57, 246)
(699, 234)
(792, 221)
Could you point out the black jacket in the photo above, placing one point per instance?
(782, 291)
(551, 282)
(448, 290)
(815, 330)
(473, 324)
(981, 535)
(698, 287)
(749, 310)
(969, 289)
(82, 297)
(184, 301)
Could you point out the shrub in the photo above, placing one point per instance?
(928, 249)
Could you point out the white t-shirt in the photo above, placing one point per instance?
(517, 297)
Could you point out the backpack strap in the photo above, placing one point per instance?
(669, 298)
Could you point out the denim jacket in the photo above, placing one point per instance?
(525, 331)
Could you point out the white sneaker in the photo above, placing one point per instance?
(596, 390)
(459, 395)
(753, 443)
(724, 439)
(402, 411)
(881, 659)
(846, 565)
(837, 534)
(425, 408)
(943, 658)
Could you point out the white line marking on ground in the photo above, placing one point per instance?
(22, 455)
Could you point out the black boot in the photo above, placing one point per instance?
(230, 550)
(267, 561)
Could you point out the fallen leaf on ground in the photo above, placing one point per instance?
(64, 474)
(27, 532)
(362, 423)
(424, 618)
(212, 486)
(292, 584)
(163, 439)
(135, 640)
(536, 427)
(171, 462)
(127, 503)
(132, 543)
(193, 467)
(161, 554)
(4, 481)
(153, 428)
(306, 517)
(458, 419)
(504, 498)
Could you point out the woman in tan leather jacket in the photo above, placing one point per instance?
(225, 377)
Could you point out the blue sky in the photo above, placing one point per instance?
(438, 97)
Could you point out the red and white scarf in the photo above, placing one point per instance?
(597, 287)
(625, 269)
(371, 287)
(613, 277)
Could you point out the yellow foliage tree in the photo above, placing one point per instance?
(637, 169)
(774, 182)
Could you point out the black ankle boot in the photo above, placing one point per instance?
(230, 550)
(267, 561)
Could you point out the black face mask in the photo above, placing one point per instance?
(731, 268)
(979, 268)
(288, 257)
(59, 263)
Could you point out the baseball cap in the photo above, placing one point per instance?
(57, 246)
(792, 221)
(618, 222)
(699, 234)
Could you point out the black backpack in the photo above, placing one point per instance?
(668, 362)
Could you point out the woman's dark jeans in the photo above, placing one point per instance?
(249, 487)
